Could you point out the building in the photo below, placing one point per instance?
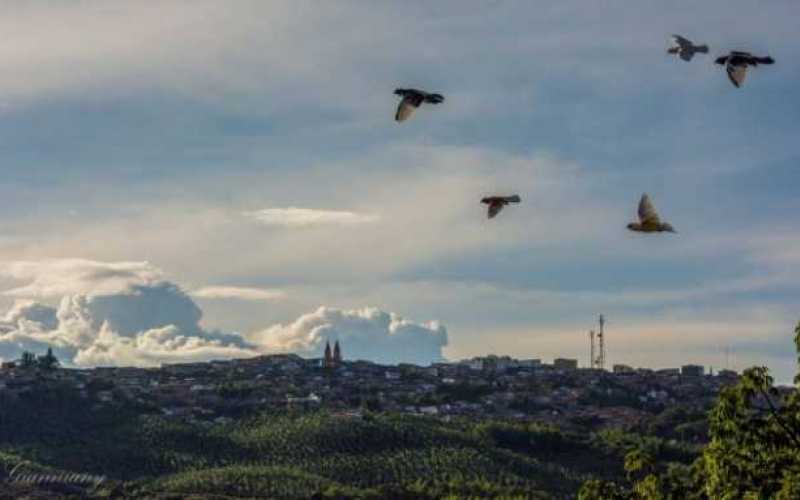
(303, 402)
(565, 364)
(692, 370)
(473, 364)
(332, 359)
(530, 363)
(621, 369)
(337, 354)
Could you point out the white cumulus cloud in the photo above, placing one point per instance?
(125, 314)
(156, 324)
(59, 277)
(367, 333)
(238, 292)
(305, 217)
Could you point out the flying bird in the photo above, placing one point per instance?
(649, 222)
(496, 203)
(736, 64)
(686, 49)
(412, 98)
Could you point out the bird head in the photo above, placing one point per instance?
(634, 226)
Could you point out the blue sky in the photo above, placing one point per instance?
(135, 132)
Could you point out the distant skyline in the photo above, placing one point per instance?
(193, 179)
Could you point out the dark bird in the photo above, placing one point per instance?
(686, 49)
(412, 98)
(496, 203)
(736, 64)
(649, 222)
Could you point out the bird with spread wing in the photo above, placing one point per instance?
(685, 48)
(649, 221)
(497, 203)
(412, 99)
(736, 64)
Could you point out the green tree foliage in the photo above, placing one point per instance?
(755, 438)
(27, 360)
(753, 452)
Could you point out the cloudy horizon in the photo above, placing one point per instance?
(199, 179)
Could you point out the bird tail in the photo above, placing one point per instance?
(513, 199)
(434, 98)
(764, 60)
(673, 50)
(702, 49)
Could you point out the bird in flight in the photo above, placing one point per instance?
(412, 98)
(686, 49)
(496, 203)
(736, 64)
(649, 222)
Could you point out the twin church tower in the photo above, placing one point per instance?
(335, 359)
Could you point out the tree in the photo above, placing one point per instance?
(755, 438)
(27, 360)
(754, 449)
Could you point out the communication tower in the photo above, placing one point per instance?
(601, 340)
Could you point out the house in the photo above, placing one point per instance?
(692, 370)
(105, 396)
(565, 364)
(310, 400)
(621, 369)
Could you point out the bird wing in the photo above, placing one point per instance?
(682, 42)
(494, 208)
(736, 74)
(434, 98)
(687, 54)
(647, 212)
(405, 109)
(514, 198)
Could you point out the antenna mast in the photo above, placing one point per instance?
(592, 361)
(601, 357)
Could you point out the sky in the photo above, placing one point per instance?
(196, 180)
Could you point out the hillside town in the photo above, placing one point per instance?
(491, 386)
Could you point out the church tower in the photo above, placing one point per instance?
(328, 357)
(337, 354)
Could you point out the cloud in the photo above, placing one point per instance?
(27, 310)
(155, 347)
(364, 334)
(143, 321)
(306, 217)
(238, 292)
(143, 325)
(58, 277)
